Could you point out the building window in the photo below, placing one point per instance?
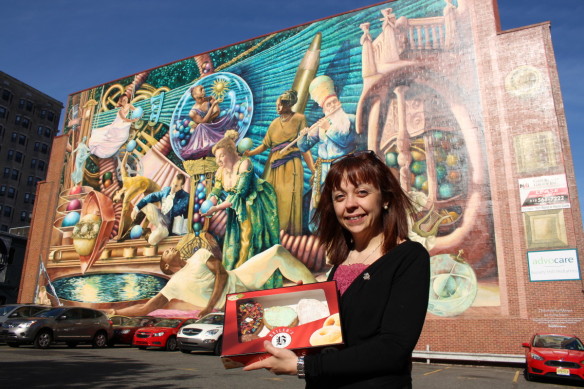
(32, 198)
(3, 112)
(50, 116)
(11, 192)
(41, 165)
(29, 106)
(15, 174)
(6, 172)
(6, 94)
(44, 148)
(40, 130)
(33, 163)
(7, 211)
(43, 113)
(22, 139)
(25, 122)
(29, 180)
(10, 155)
(37, 146)
(2, 190)
(18, 156)
(17, 119)
(47, 132)
(21, 103)
(23, 216)
(26, 198)
(13, 137)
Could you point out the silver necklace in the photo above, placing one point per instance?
(368, 256)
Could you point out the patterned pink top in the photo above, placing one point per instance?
(346, 274)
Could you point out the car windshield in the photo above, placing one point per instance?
(54, 312)
(171, 323)
(558, 342)
(211, 319)
(5, 309)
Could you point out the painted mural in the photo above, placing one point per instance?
(228, 150)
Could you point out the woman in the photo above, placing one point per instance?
(106, 141)
(284, 169)
(252, 219)
(382, 276)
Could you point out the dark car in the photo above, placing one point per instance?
(554, 356)
(72, 325)
(125, 327)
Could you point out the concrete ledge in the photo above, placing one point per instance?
(506, 358)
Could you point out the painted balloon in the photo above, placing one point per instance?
(71, 219)
(207, 204)
(136, 232)
(76, 190)
(137, 113)
(244, 145)
(74, 205)
(131, 145)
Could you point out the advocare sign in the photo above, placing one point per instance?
(553, 265)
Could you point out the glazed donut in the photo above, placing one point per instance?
(250, 316)
(326, 335)
(333, 320)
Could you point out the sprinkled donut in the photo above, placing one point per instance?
(250, 317)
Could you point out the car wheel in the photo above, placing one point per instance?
(171, 344)
(12, 344)
(43, 339)
(100, 340)
(183, 350)
(71, 344)
(528, 375)
(218, 346)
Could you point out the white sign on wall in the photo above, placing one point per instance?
(545, 192)
(553, 265)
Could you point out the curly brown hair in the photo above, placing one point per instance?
(361, 168)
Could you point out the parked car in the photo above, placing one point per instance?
(162, 334)
(205, 334)
(125, 327)
(13, 311)
(554, 355)
(72, 325)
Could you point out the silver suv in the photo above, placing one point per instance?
(13, 311)
(63, 324)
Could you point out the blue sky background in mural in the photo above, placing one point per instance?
(61, 47)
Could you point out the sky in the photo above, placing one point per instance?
(63, 46)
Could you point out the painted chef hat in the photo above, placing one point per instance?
(321, 88)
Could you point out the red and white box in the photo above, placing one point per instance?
(303, 318)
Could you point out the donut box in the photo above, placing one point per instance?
(303, 318)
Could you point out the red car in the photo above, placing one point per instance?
(553, 355)
(125, 327)
(162, 334)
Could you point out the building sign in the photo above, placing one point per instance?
(542, 193)
(553, 265)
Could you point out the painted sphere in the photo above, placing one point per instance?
(441, 172)
(107, 176)
(451, 160)
(197, 227)
(445, 191)
(418, 167)
(183, 142)
(207, 204)
(196, 207)
(131, 145)
(453, 176)
(137, 113)
(438, 135)
(200, 187)
(419, 181)
(74, 205)
(425, 186)
(244, 145)
(196, 217)
(76, 190)
(107, 183)
(418, 155)
(391, 159)
(71, 219)
(136, 232)
(201, 195)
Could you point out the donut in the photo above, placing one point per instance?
(311, 310)
(333, 320)
(275, 317)
(250, 318)
(326, 335)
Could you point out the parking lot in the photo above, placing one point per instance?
(126, 367)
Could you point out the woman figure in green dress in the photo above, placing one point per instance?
(251, 206)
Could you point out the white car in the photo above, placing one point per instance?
(205, 334)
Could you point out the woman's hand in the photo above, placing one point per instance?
(210, 212)
(282, 361)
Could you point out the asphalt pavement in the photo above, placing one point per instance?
(126, 367)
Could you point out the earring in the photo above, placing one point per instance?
(386, 207)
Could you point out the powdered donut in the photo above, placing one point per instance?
(311, 310)
(250, 318)
(333, 320)
(326, 335)
(275, 317)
